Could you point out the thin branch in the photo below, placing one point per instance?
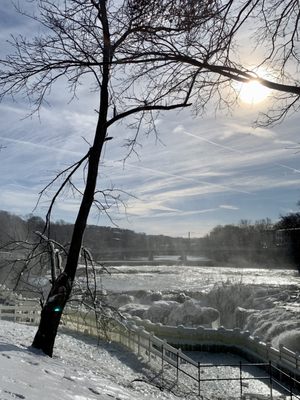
(73, 169)
(145, 108)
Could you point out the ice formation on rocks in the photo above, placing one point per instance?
(270, 312)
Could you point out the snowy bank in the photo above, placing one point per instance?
(80, 370)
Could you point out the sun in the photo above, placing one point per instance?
(253, 92)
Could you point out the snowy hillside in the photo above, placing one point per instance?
(79, 370)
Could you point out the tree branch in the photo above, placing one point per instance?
(146, 108)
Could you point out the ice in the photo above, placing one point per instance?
(159, 311)
(265, 311)
(265, 302)
(289, 339)
(170, 312)
(191, 313)
(134, 309)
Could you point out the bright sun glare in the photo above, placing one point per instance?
(253, 92)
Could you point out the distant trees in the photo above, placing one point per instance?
(11, 227)
(105, 243)
(289, 221)
(288, 235)
(245, 243)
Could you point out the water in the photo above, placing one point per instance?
(185, 278)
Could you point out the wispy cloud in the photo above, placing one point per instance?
(228, 207)
(189, 179)
(38, 146)
(232, 129)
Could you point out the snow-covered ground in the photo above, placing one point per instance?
(81, 370)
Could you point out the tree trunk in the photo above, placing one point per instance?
(62, 287)
(51, 314)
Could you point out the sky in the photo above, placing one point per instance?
(203, 171)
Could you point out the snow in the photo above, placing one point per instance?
(80, 369)
(83, 370)
(224, 366)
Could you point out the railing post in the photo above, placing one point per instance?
(199, 378)
(271, 380)
(280, 351)
(177, 366)
(162, 362)
(291, 386)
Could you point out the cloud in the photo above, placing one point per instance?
(228, 207)
(213, 186)
(295, 145)
(17, 200)
(233, 128)
(156, 210)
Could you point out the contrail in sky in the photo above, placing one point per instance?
(184, 178)
(40, 146)
(213, 143)
(286, 166)
(235, 150)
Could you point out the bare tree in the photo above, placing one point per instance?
(210, 52)
(144, 56)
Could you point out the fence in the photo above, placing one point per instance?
(238, 341)
(158, 351)
(162, 354)
(20, 313)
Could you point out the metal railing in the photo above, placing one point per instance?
(203, 339)
(160, 354)
(20, 313)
